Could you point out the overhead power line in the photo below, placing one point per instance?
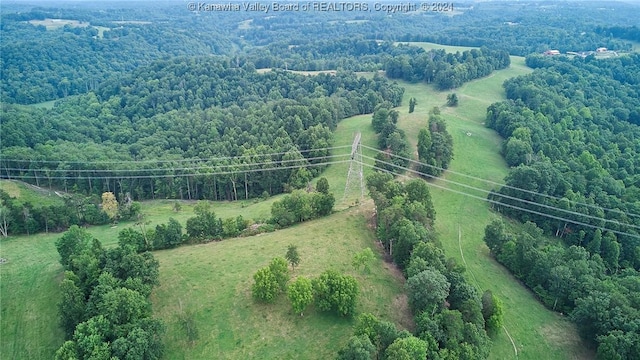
(499, 203)
(618, 211)
(509, 197)
(239, 168)
(45, 172)
(160, 161)
(185, 174)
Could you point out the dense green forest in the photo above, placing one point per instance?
(572, 136)
(158, 131)
(39, 64)
(573, 140)
(156, 100)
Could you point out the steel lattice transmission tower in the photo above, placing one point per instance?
(355, 168)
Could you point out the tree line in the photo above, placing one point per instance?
(248, 133)
(574, 280)
(572, 139)
(105, 309)
(453, 320)
(18, 217)
(622, 32)
(447, 70)
(435, 145)
(391, 139)
(520, 29)
(39, 64)
(206, 226)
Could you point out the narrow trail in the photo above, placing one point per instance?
(515, 349)
(463, 260)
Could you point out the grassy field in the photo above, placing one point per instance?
(29, 193)
(29, 279)
(53, 24)
(534, 329)
(430, 46)
(214, 282)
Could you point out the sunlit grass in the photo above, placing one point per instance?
(213, 280)
(535, 330)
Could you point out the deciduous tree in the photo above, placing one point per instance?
(72, 305)
(427, 290)
(452, 99)
(409, 348)
(292, 256)
(280, 271)
(363, 259)
(491, 312)
(336, 292)
(265, 286)
(358, 348)
(110, 205)
(73, 242)
(412, 104)
(322, 186)
(300, 293)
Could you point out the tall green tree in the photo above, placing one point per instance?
(280, 271)
(323, 185)
(265, 286)
(408, 348)
(72, 305)
(73, 242)
(452, 99)
(358, 348)
(336, 293)
(300, 293)
(427, 290)
(492, 312)
(412, 104)
(292, 256)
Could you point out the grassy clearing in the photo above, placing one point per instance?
(29, 279)
(29, 286)
(28, 193)
(43, 105)
(53, 24)
(534, 329)
(214, 282)
(430, 46)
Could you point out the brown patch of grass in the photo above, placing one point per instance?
(401, 305)
(564, 334)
